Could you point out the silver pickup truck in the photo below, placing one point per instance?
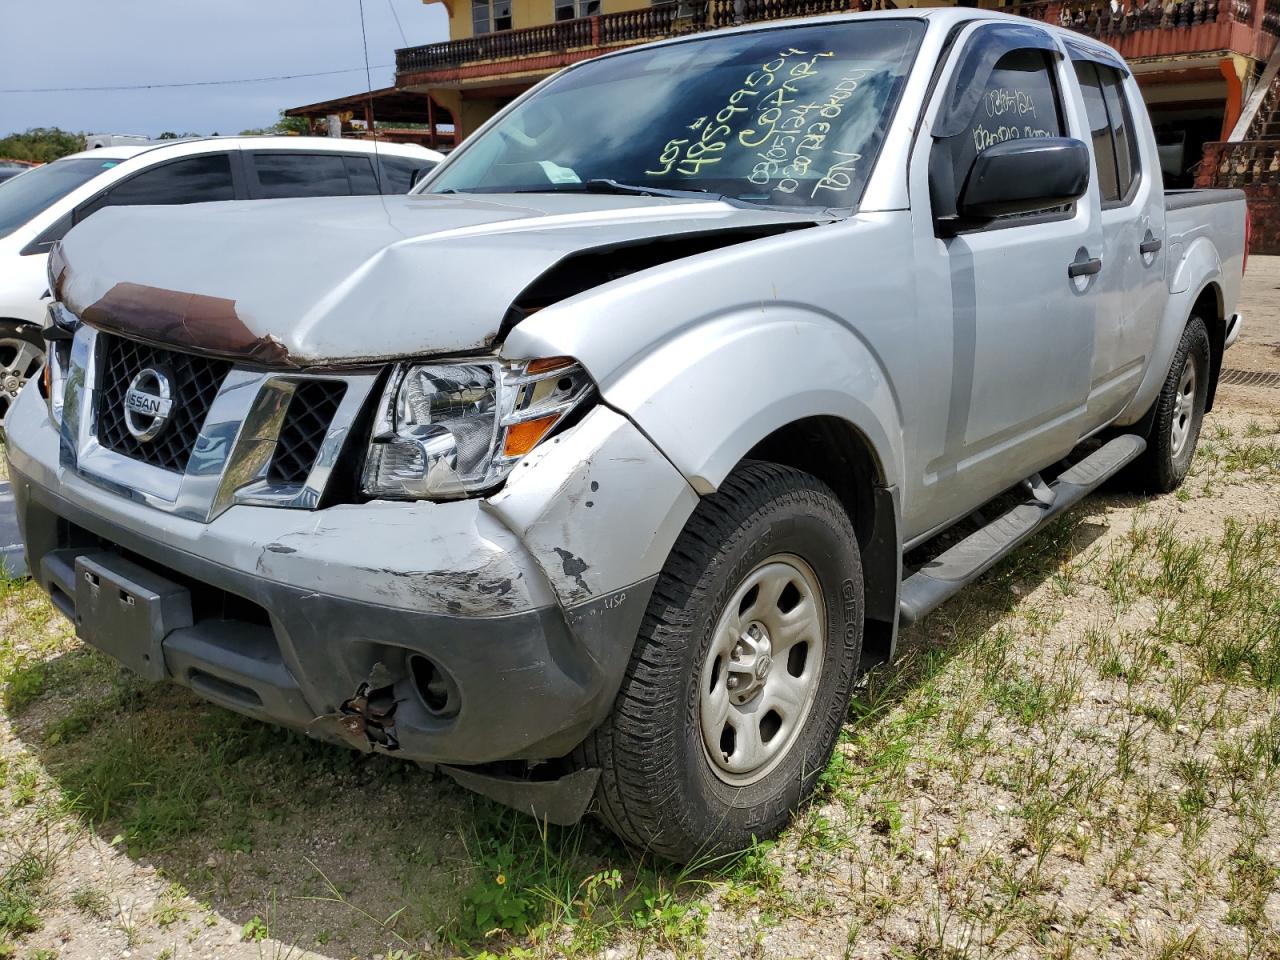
(586, 472)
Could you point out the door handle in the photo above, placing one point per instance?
(1150, 245)
(1084, 268)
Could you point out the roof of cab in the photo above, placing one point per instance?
(310, 144)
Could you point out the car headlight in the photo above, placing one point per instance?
(450, 430)
(58, 331)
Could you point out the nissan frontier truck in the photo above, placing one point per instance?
(586, 472)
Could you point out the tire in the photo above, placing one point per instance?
(21, 358)
(1178, 416)
(662, 788)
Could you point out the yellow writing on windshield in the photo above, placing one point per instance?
(782, 116)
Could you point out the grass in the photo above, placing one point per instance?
(1078, 757)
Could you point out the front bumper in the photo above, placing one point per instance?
(520, 608)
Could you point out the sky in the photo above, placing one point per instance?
(94, 43)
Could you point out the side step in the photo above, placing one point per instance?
(946, 575)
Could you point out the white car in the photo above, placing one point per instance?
(38, 207)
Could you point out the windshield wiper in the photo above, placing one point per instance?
(601, 185)
(613, 186)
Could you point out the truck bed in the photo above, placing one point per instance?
(1200, 222)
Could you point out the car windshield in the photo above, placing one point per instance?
(791, 116)
(24, 196)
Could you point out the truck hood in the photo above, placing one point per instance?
(342, 280)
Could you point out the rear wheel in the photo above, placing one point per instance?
(1179, 413)
(21, 359)
(742, 671)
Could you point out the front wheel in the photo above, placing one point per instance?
(21, 359)
(739, 681)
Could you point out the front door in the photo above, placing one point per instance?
(1020, 328)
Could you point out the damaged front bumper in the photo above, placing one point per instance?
(459, 633)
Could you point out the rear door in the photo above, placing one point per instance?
(1021, 332)
(1130, 287)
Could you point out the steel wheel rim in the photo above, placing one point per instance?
(1184, 405)
(20, 360)
(768, 643)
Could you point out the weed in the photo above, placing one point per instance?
(22, 884)
(92, 902)
(255, 931)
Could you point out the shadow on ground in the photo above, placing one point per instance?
(349, 854)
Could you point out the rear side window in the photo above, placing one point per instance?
(193, 180)
(1122, 130)
(1099, 130)
(301, 175)
(1115, 144)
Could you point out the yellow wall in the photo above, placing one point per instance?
(535, 13)
(526, 13)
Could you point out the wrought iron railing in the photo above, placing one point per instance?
(1098, 18)
(614, 29)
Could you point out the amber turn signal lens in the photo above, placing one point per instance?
(548, 363)
(46, 379)
(523, 437)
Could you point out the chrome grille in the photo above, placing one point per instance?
(306, 423)
(196, 381)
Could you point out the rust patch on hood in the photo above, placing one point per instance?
(193, 321)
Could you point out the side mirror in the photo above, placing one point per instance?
(1023, 176)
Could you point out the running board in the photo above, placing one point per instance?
(947, 574)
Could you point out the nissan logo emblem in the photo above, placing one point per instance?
(148, 403)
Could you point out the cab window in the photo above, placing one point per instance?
(1019, 100)
(299, 174)
(193, 180)
(1004, 87)
(1122, 129)
(1115, 146)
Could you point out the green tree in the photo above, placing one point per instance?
(284, 125)
(41, 144)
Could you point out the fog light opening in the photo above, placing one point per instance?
(437, 690)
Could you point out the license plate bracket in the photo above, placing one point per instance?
(126, 611)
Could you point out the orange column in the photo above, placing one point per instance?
(1235, 96)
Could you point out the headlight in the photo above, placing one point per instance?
(449, 430)
(59, 331)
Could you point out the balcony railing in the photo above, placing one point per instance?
(1136, 28)
(1163, 28)
(615, 29)
(1098, 19)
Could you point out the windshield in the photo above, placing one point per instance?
(790, 116)
(27, 194)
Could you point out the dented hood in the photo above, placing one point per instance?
(348, 279)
